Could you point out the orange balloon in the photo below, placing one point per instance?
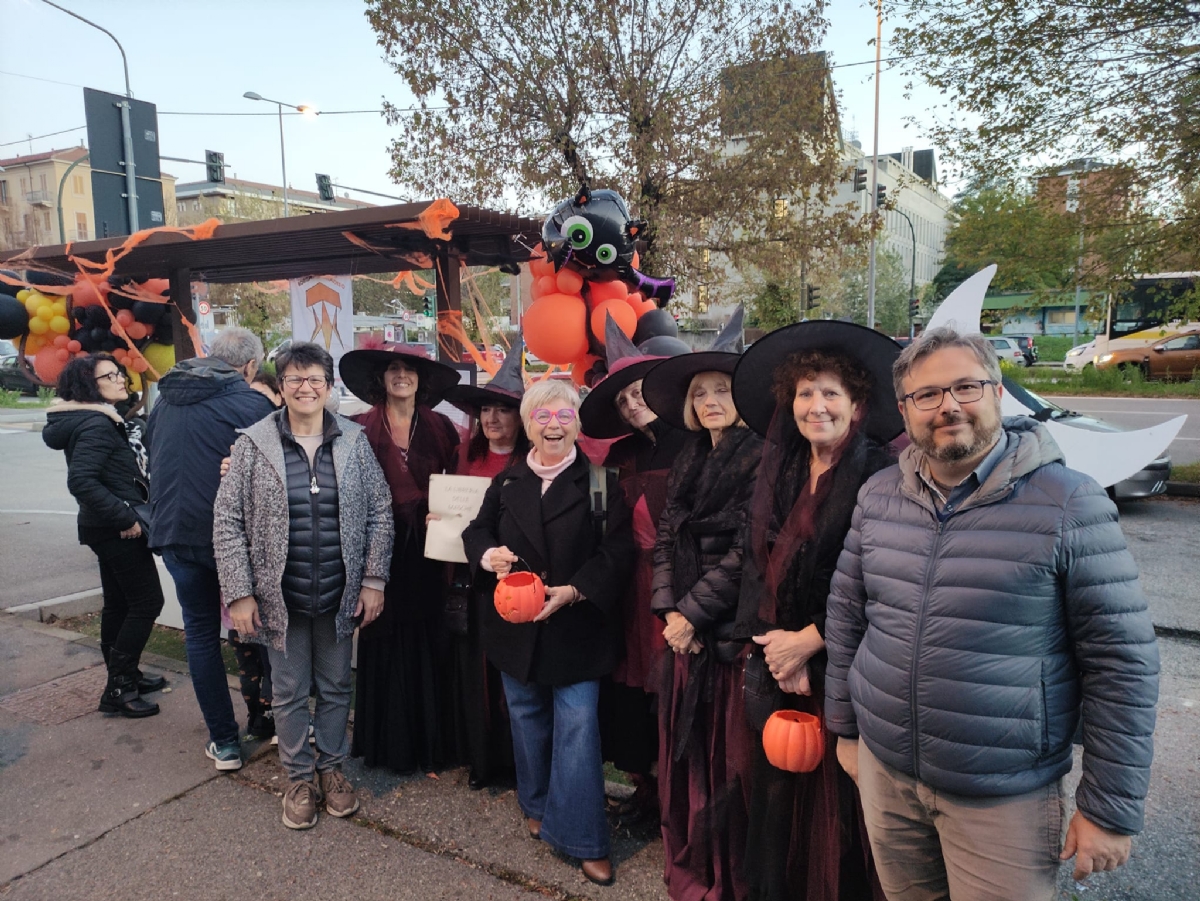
(637, 260)
(74, 346)
(569, 281)
(62, 354)
(88, 293)
(139, 364)
(125, 318)
(156, 286)
(47, 364)
(621, 312)
(545, 285)
(61, 341)
(539, 267)
(580, 369)
(137, 330)
(33, 343)
(640, 306)
(555, 328)
(598, 292)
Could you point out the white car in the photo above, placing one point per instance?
(1008, 350)
(1080, 356)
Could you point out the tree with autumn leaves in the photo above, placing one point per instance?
(703, 114)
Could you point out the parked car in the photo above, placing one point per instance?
(13, 379)
(1174, 357)
(1008, 350)
(1080, 355)
(1028, 347)
(7, 348)
(1148, 482)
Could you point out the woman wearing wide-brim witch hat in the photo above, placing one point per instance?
(399, 698)
(478, 731)
(645, 448)
(821, 393)
(705, 741)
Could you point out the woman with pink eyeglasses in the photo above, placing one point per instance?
(543, 514)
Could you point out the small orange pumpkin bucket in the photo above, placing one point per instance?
(794, 741)
(519, 597)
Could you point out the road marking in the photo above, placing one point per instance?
(41, 512)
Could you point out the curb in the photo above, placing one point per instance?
(90, 601)
(1183, 489)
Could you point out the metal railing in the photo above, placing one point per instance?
(39, 198)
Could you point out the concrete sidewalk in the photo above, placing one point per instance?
(94, 807)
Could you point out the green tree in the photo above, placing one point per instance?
(1031, 83)
(844, 291)
(702, 113)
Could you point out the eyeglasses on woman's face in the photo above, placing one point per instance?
(542, 416)
(295, 381)
(113, 377)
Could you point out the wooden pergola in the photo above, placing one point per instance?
(433, 234)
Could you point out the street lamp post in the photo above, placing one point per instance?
(302, 108)
(912, 283)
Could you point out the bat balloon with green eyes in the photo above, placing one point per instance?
(594, 234)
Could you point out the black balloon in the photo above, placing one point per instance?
(14, 319)
(48, 279)
(147, 312)
(664, 346)
(653, 324)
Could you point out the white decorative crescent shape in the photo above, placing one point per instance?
(963, 306)
(1108, 457)
(1111, 457)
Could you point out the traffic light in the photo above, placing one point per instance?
(881, 195)
(430, 305)
(814, 297)
(914, 308)
(325, 187)
(214, 163)
(860, 180)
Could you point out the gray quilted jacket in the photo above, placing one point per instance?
(250, 523)
(964, 652)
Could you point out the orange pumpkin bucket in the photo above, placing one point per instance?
(519, 597)
(794, 741)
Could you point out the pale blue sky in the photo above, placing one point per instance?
(202, 56)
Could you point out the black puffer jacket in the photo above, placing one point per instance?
(314, 576)
(102, 472)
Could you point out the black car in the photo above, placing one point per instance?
(13, 379)
(1028, 347)
(1151, 480)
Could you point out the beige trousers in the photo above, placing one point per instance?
(932, 845)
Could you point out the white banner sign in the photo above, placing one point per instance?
(323, 312)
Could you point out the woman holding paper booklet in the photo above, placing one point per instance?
(399, 699)
(540, 515)
(477, 728)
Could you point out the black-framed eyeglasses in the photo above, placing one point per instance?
(965, 392)
(542, 415)
(115, 376)
(295, 381)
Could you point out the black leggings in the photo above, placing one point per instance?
(133, 597)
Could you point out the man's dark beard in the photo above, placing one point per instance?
(955, 452)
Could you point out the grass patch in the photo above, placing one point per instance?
(1092, 382)
(1186, 472)
(1053, 348)
(13, 399)
(164, 641)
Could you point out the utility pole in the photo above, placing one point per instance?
(875, 166)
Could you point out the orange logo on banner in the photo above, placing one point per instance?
(325, 325)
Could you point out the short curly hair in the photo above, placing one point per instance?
(808, 364)
(77, 381)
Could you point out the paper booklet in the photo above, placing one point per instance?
(456, 501)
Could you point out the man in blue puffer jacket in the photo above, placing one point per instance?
(984, 601)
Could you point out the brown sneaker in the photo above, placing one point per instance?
(300, 805)
(340, 799)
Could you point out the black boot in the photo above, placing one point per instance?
(147, 684)
(121, 696)
(121, 693)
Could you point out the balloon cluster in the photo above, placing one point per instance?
(588, 271)
(56, 317)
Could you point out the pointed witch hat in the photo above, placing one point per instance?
(665, 390)
(507, 386)
(598, 414)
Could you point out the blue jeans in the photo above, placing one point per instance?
(194, 570)
(560, 776)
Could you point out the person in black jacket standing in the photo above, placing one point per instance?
(104, 476)
(201, 406)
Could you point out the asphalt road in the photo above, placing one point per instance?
(1141, 413)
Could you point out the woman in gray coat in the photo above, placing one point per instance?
(303, 539)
